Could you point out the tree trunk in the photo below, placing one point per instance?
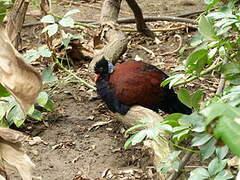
(15, 21)
(141, 25)
(116, 40)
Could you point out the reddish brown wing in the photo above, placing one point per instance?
(138, 83)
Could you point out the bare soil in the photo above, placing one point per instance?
(73, 144)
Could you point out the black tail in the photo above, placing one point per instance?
(174, 105)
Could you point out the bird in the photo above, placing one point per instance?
(135, 83)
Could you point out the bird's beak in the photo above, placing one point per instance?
(97, 77)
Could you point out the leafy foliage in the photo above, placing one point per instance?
(216, 120)
(4, 6)
(10, 110)
(55, 22)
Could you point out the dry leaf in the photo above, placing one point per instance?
(35, 140)
(11, 153)
(16, 75)
(100, 123)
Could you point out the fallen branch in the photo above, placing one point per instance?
(156, 18)
(164, 30)
(130, 20)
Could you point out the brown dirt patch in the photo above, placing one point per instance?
(71, 146)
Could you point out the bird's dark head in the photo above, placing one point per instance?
(103, 67)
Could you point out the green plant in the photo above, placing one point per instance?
(55, 26)
(4, 6)
(57, 22)
(216, 120)
(10, 110)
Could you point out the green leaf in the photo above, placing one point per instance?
(5, 5)
(179, 128)
(228, 130)
(216, 15)
(222, 52)
(138, 126)
(31, 55)
(220, 22)
(196, 40)
(200, 139)
(175, 165)
(216, 165)
(196, 56)
(49, 105)
(67, 22)
(16, 116)
(172, 119)
(36, 115)
(199, 174)
(213, 111)
(224, 175)
(212, 52)
(48, 19)
(71, 12)
(208, 149)
(51, 29)
(139, 137)
(180, 136)
(222, 152)
(128, 142)
(184, 97)
(42, 99)
(3, 91)
(198, 125)
(174, 155)
(44, 52)
(30, 111)
(223, 30)
(206, 28)
(196, 98)
(152, 133)
(230, 68)
(47, 76)
(212, 3)
(66, 41)
(4, 123)
(172, 80)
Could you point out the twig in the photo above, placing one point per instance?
(201, 74)
(176, 50)
(184, 161)
(162, 30)
(74, 75)
(190, 14)
(156, 18)
(222, 81)
(147, 50)
(183, 148)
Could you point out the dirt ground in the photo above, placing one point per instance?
(73, 144)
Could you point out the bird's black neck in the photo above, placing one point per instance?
(104, 76)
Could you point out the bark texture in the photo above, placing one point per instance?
(15, 21)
